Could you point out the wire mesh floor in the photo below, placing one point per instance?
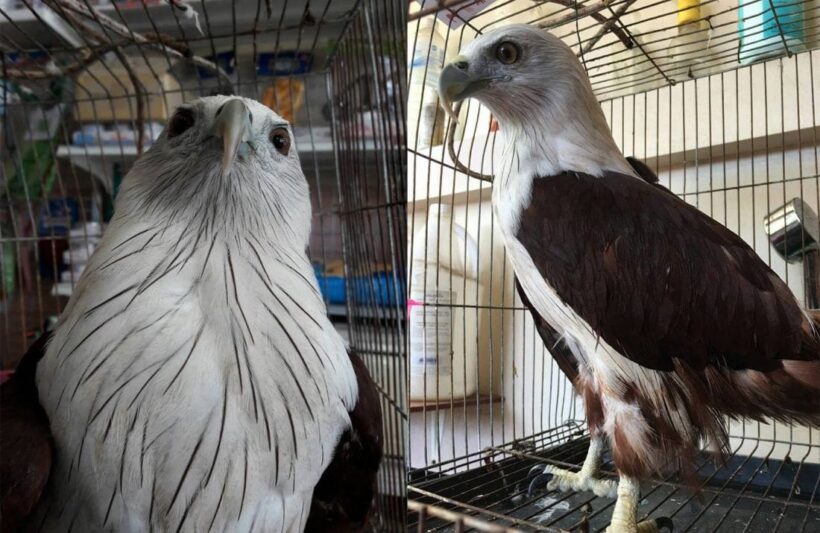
(746, 494)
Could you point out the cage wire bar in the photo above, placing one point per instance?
(723, 107)
(366, 83)
(86, 86)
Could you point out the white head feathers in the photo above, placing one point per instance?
(536, 87)
(264, 191)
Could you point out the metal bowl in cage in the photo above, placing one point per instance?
(793, 229)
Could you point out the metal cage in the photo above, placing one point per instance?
(86, 85)
(718, 97)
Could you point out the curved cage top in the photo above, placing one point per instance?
(630, 46)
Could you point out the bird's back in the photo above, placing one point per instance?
(659, 279)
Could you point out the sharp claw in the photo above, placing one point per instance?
(534, 471)
(664, 522)
(540, 479)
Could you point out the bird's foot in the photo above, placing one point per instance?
(625, 513)
(559, 479)
(651, 525)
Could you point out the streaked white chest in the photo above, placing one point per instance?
(194, 391)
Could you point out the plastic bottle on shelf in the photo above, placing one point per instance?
(427, 57)
(767, 27)
(443, 345)
(691, 47)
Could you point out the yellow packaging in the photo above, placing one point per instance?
(688, 11)
(286, 97)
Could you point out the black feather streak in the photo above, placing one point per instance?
(236, 297)
(207, 257)
(185, 472)
(110, 504)
(244, 483)
(108, 300)
(129, 254)
(290, 420)
(131, 238)
(292, 342)
(221, 496)
(236, 358)
(221, 433)
(142, 449)
(187, 357)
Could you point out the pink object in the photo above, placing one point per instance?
(5, 375)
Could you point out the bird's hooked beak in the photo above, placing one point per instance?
(233, 124)
(457, 82)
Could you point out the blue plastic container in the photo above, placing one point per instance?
(380, 290)
(286, 63)
(331, 287)
(57, 216)
(765, 25)
(225, 60)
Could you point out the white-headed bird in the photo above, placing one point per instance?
(194, 381)
(669, 321)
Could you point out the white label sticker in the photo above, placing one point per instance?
(431, 329)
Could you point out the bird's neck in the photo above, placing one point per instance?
(546, 145)
(215, 206)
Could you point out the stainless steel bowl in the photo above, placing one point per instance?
(793, 230)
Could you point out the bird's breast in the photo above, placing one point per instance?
(181, 374)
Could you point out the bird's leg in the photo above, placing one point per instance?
(625, 514)
(585, 479)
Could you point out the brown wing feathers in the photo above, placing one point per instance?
(344, 498)
(560, 352)
(25, 442)
(657, 278)
(670, 288)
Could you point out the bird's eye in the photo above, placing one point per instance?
(281, 140)
(182, 120)
(507, 52)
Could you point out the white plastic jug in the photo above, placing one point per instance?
(443, 345)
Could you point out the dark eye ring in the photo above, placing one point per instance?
(182, 120)
(507, 52)
(281, 140)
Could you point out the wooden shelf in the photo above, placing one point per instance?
(417, 406)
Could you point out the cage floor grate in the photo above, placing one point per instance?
(744, 494)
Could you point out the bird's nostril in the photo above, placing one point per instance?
(461, 65)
